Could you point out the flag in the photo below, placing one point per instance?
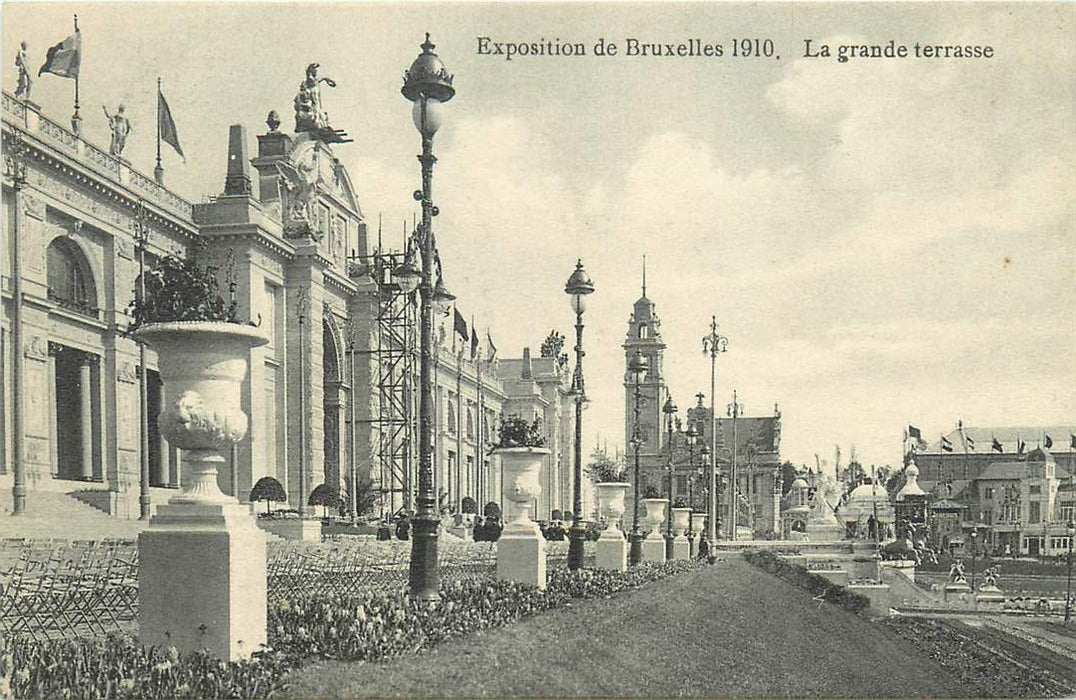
(1073, 441)
(64, 58)
(970, 442)
(913, 432)
(493, 354)
(1046, 441)
(1019, 446)
(459, 325)
(946, 445)
(166, 126)
(996, 446)
(474, 340)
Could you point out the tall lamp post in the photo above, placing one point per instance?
(142, 239)
(706, 472)
(735, 410)
(15, 167)
(577, 288)
(974, 542)
(669, 409)
(427, 84)
(712, 345)
(637, 367)
(692, 437)
(1071, 530)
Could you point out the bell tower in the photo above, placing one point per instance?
(644, 335)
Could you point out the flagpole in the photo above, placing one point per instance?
(76, 118)
(158, 171)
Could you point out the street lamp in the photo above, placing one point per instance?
(427, 84)
(735, 410)
(15, 157)
(578, 288)
(706, 472)
(974, 541)
(692, 437)
(712, 345)
(669, 409)
(637, 367)
(1071, 530)
(142, 240)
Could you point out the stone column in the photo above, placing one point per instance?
(54, 436)
(86, 418)
(162, 461)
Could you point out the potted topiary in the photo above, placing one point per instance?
(325, 496)
(268, 489)
(202, 354)
(521, 448)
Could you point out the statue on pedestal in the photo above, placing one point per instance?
(120, 126)
(308, 113)
(22, 90)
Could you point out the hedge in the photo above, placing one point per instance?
(816, 585)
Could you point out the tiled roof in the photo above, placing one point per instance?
(1005, 470)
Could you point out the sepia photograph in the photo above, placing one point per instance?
(537, 349)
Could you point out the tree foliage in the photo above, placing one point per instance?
(604, 469)
(516, 432)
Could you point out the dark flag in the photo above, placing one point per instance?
(996, 446)
(474, 340)
(493, 353)
(166, 126)
(459, 325)
(913, 432)
(970, 442)
(946, 445)
(1046, 441)
(64, 58)
(1019, 446)
(1073, 441)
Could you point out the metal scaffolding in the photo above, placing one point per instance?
(396, 385)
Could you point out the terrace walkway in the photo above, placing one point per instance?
(726, 630)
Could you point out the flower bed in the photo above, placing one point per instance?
(303, 625)
(815, 584)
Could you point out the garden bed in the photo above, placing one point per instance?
(814, 583)
(303, 625)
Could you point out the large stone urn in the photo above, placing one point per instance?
(521, 547)
(681, 547)
(612, 547)
(654, 543)
(201, 579)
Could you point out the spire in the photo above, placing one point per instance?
(644, 275)
(237, 180)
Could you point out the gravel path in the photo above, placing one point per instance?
(727, 630)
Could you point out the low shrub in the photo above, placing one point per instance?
(813, 583)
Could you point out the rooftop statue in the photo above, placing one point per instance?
(120, 126)
(22, 90)
(308, 113)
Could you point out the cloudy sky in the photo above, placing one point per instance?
(884, 241)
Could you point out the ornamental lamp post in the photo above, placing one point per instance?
(577, 288)
(669, 409)
(705, 471)
(15, 156)
(692, 437)
(637, 368)
(427, 84)
(974, 541)
(712, 345)
(1071, 530)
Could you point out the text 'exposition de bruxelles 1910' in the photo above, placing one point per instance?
(734, 48)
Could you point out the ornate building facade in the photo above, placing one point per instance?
(334, 390)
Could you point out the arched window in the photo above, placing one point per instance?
(330, 357)
(70, 285)
(642, 330)
(470, 422)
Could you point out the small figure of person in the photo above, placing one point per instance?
(22, 62)
(403, 527)
(121, 128)
(384, 532)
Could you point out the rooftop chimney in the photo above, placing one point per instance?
(527, 372)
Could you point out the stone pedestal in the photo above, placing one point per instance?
(681, 547)
(521, 554)
(990, 597)
(201, 580)
(611, 551)
(654, 547)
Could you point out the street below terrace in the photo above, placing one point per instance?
(725, 630)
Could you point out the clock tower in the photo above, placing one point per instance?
(644, 335)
